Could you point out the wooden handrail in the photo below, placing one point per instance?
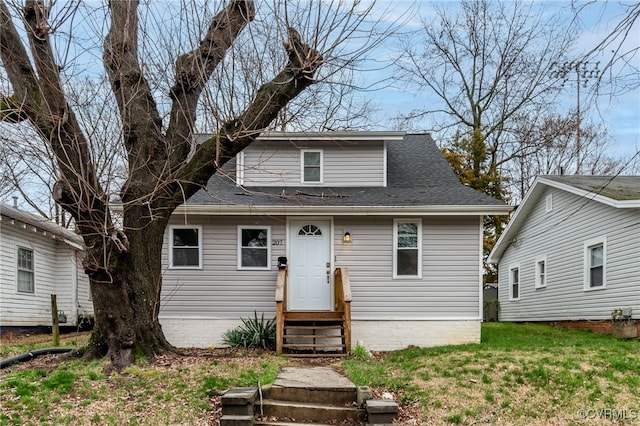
(343, 301)
(281, 284)
(281, 294)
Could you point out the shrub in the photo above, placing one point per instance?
(253, 333)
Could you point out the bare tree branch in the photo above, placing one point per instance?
(193, 71)
(237, 134)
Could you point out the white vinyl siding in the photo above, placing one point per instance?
(448, 289)
(26, 279)
(220, 289)
(407, 248)
(254, 247)
(277, 163)
(185, 250)
(561, 235)
(57, 270)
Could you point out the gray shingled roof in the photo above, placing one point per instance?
(417, 175)
(619, 188)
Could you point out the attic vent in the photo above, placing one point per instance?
(309, 230)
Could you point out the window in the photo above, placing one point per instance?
(541, 272)
(26, 282)
(514, 282)
(407, 248)
(309, 230)
(311, 166)
(186, 247)
(254, 250)
(595, 263)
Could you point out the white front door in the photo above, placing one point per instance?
(309, 265)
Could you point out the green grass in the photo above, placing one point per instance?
(519, 374)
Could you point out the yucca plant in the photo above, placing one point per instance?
(253, 333)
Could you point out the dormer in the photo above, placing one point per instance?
(354, 159)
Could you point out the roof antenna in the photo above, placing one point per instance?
(15, 201)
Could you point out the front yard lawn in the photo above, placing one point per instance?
(519, 375)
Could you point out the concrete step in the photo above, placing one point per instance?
(308, 411)
(321, 385)
(279, 423)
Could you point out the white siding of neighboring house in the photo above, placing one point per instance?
(441, 308)
(560, 236)
(54, 273)
(271, 163)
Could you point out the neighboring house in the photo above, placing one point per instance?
(571, 252)
(375, 223)
(38, 259)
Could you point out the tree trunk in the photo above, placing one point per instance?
(127, 297)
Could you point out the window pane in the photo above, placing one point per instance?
(254, 238)
(311, 170)
(596, 256)
(407, 262)
(185, 237)
(311, 174)
(25, 281)
(408, 235)
(186, 256)
(25, 259)
(596, 276)
(516, 289)
(312, 159)
(254, 257)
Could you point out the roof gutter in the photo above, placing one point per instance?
(220, 210)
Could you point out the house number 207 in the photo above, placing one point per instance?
(277, 242)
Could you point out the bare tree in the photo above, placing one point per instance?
(486, 64)
(158, 96)
(553, 150)
(621, 69)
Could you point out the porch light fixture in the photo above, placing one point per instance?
(347, 237)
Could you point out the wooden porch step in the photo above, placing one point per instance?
(316, 355)
(311, 345)
(313, 327)
(313, 336)
(313, 333)
(313, 316)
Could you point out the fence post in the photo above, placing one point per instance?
(55, 327)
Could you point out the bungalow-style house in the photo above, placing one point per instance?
(571, 252)
(367, 233)
(40, 258)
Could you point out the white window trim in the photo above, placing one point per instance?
(239, 250)
(33, 262)
(548, 203)
(588, 245)
(302, 152)
(200, 247)
(537, 271)
(511, 269)
(395, 249)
